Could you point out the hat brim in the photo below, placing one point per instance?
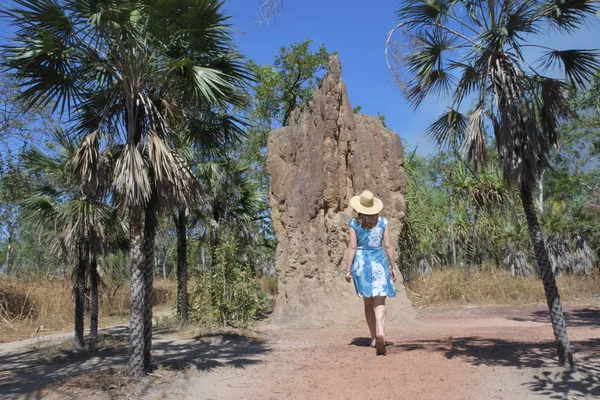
(358, 207)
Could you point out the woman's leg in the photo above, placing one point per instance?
(379, 306)
(370, 317)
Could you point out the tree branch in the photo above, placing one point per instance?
(269, 10)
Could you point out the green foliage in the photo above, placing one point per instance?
(229, 294)
(574, 160)
(382, 119)
(484, 211)
(286, 84)
(298, 71)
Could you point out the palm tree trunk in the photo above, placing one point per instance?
(164, 264)
(484, 250)
(9, 249)
(541, 194)
(94, 300)
(136, 328)
(552, 296)
(150, 224)
(452, 233)
(38, 263)
(471, 247)
(79, 342)
(182, 296)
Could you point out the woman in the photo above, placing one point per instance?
(367, 263)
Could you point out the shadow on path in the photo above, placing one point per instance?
(578, 317)
(550, 381)
(25, 372)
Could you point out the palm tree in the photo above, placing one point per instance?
(232, 202)
(482, 192)
(127, 72)
(475, 50)
(514, 237)
(76, 220)
(208, 135)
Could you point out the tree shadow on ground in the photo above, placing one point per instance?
(365, 342)
(26, 372)
(550, 380)
(578, 317)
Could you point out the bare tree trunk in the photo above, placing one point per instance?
(552, 296)
(80, 272)
(225, 296)
(452, 232)
(471, 247)
(483, 257)
(541, 194)
(164, 264)
(150, 224)
(94, 299)
(136, 328)
(182, 273)
(9, 249)
(38, 263)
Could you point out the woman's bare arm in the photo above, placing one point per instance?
(389, 250)
(351, 250)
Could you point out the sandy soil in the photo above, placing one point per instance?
(451, 353)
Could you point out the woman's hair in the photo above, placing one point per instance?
(368, 221)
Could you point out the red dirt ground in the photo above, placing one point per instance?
(451, 353)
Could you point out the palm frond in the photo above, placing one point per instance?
(567, 15)
(519, 17)
(39, 209)
(41, 54)
(553, 106)
(131, 182)
(469, 82)
(426, 64)
(449, 129)
(214, 131)
(579, 65)
(414, 12)
(173, 178)
(85, 163)
(476, 138)
(199, 82)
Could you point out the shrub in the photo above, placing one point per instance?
(229, 293)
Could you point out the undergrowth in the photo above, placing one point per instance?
(40, 306)
(494, 286)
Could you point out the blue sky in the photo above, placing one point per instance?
(358, 29)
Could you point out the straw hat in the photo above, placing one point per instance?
(366, 203)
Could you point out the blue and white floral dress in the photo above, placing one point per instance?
(370, 268)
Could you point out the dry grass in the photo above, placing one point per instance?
(41, 306)
(494, 286)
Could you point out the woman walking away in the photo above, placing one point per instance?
(367, 263)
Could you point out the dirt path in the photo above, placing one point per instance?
(453, 353)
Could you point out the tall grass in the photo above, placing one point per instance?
(43, 305)
(494, 286)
